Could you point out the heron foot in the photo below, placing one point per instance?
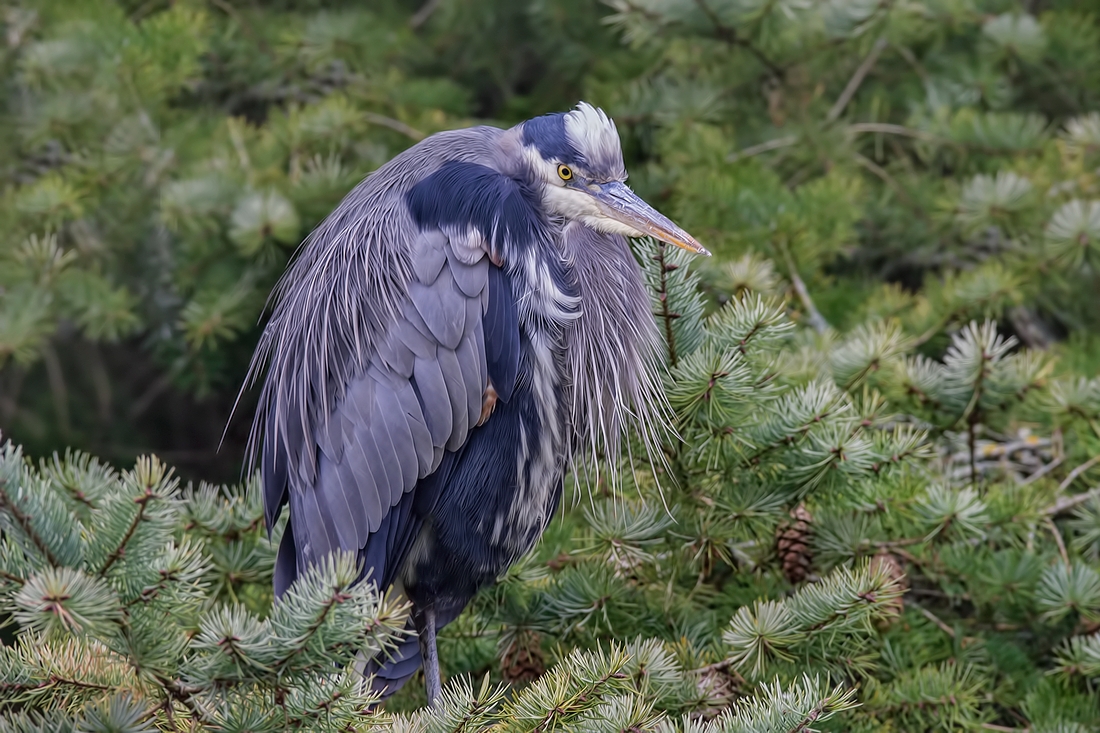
(488, 403)
(425, 629)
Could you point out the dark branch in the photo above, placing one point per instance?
(857, 79)
(730, 36)
(142, 502)
(1068, 502)
(24, 522)
(662, 295)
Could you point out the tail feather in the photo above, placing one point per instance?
(286, 562)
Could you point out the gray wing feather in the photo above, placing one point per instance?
(315, 542)
(412, 317)
(330, 435)
(361, 480)
(469, 361)
(413, 333)
(479, 337)
(433, 395)
(471, 279)
(418, 429)
(370, 477)
(429, 253)
(388, 467)
(366, 467)
(396, 354)
(339, 494)
(456, 392)
(400, 435)
(436, 305)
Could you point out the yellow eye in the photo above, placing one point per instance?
(564, 172)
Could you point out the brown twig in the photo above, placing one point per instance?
(886, 178)
(184, 695)
(971, 439)
(395, 125)
(776, 144)
(420, 17)
(814, 317)
(1043, 471)
(891, 544)
(1058, 540)
(1077, 472)
(1068, 502)
(723, 666)
(145, 401)
(857, 79)
(932, 617)
(12, 577)
(912, 60)
(886, 128)
(116, 555)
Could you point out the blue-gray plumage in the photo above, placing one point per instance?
(467, 322)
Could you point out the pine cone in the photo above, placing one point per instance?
(793, 545)
(887, 561)
(522, 660)
(718, 688)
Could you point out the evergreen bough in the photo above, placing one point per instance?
(656, 600)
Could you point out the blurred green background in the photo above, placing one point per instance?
(931, 161)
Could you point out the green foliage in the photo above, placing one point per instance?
(122, 588)
(945, 588)
(989, 583)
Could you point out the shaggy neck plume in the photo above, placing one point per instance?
(614, 367)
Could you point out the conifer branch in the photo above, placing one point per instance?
(120, 549)
(933, 618)
(335, 598)
(764, 147)
(768, 413)
(662, 296)
(886, 128)
(1043, 471)
(854, 83)
(1069, 502)
(815, 319)
(1056, 533)
(184, 695)
(12, 578)
(730, 35)
(421, 16)
(889, 180)
(25, 525)
(912, 60)
(1075, 473)
(395, 125)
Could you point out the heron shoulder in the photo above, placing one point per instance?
(479, 144)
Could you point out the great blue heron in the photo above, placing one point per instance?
(466, 321)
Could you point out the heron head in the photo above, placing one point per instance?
(577, 158)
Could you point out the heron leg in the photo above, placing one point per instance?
(425, 629)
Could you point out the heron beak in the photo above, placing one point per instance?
(618, 202)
